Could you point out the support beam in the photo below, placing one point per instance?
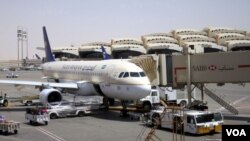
(188, 65)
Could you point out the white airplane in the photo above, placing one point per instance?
(111, 78)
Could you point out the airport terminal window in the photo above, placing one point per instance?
(142, 74)
(126, 75)
(121, 74)
(134, 74)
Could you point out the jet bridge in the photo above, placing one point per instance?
(198, 69)
(219, 67)
(230, 67)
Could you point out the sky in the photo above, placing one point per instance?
(74, 22)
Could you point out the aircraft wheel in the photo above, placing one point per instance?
(15, 131)
(147, 106)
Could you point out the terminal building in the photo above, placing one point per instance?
(198, 41)
(178, 32)
(127, 47)
(222, 38)
(64, 53)
(213, 31)
(238, 45)
(232, 39)
(210, 39)
(161, 43)
(93, 50)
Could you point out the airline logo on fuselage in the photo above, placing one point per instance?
(79, 67)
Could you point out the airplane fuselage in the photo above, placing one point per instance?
(112, 78)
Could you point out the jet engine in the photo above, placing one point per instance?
(51, 95)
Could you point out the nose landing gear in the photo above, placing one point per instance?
(124, 111)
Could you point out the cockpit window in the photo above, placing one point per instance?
(121, 74)
(142, 74)
(134, 74)
(125, 75)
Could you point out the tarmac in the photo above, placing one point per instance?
(105, 125)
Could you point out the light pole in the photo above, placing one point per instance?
(25, 38)
(22, 35)
(19, 38)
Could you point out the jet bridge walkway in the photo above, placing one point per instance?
(179, 70)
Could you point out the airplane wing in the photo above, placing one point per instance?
(41, 84)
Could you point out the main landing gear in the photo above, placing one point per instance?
(108, 102)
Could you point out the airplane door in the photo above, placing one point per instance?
(112, 73)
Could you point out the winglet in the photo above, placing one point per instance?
(105, 55)
(48, 52)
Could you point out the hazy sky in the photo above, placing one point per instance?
(82, 21)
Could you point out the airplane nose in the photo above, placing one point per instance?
(143, 91)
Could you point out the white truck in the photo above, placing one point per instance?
(169, 95)
(189, 121)
(31, 100)
(149, 101)
(175, 97)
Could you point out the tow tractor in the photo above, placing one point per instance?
(3, 100)
(37, 115)
(189, 121)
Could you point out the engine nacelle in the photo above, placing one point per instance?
(51, 95)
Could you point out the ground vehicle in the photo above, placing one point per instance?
(31, 100)
(4, 101)
(68, 109)
(12, 75)
(175, 97)
(190, 121)
(37, 115)
(8, 126)
(170, 96)
(149, 101)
